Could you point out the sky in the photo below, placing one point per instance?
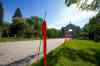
(58, 15)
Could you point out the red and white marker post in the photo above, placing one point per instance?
(44, 41)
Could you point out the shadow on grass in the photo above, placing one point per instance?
(72, 55)
(98, 58)
(97, 52)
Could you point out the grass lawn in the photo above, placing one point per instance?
(14, 39)
(74, 53)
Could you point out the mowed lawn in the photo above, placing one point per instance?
(74, 53)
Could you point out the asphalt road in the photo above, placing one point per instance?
(12, 51)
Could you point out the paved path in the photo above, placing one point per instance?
(12, 51)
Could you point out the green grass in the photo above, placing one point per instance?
(14, 39)
(74, 53)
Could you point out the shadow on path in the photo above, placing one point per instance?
(23, 62)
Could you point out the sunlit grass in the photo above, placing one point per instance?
(74, 53)
(13, 39)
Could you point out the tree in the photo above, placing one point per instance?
(28, 28)
(17, 13)
(5, 26)
(62, 30)
(54, 33)
(17, 26)
(1, 13)
(34, 26)
(93, 28)
(84, 4)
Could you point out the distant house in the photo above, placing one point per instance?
(70, 30)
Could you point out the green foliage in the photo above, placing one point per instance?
(95, 4)
(4, 31)
(69, 2)
(17, 13)
(37, 25)
(17, 27)
(28, 29)
(93, 28)
(63, 32)
(1, 13)
(3, 25)
(29, 22)
(53, 33)
(23, 27)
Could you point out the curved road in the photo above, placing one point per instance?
(12, 51)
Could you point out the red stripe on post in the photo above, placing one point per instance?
(44, 40)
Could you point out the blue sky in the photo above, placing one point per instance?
(58, 14)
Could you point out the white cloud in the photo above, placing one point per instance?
(73, 14)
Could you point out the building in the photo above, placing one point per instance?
(71, 30)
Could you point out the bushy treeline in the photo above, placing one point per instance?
(54, 33)
(21, 27)
(91, 30)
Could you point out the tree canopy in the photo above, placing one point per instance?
(17, 13)
(1, 13)
(85, 4)
(92, 29)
